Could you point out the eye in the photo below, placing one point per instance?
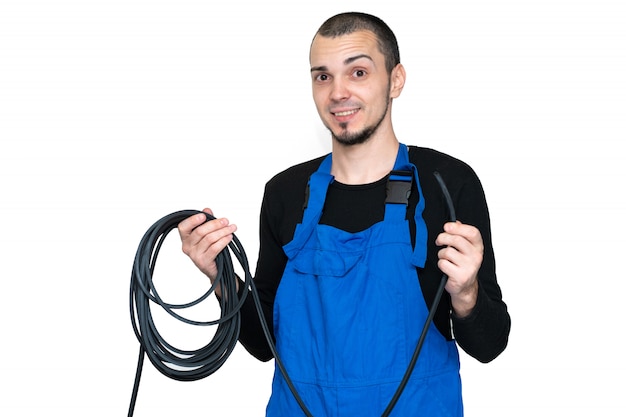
(321, 77)
(359, 73)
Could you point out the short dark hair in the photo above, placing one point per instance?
(349, 22)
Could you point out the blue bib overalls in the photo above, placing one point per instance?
(348, 313)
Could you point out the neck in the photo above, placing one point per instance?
(364, 163)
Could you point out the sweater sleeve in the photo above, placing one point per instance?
(269, 271)
(484, 333)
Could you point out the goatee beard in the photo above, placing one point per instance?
(356, 138)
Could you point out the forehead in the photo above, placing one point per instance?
(326, 51)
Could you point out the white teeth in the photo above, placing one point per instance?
(345, 113)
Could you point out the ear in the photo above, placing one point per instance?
(398, 77)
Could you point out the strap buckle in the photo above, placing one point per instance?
(399, 186)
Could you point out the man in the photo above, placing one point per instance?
(347, 271)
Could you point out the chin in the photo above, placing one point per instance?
(351, 140)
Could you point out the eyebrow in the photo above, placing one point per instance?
(346, 61)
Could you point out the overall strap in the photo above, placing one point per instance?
(398, 192)
(313, 206)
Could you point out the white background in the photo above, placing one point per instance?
(115, 113)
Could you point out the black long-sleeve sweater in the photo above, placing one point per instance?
(483, 334)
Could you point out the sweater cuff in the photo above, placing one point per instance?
(241, 287)
(481, 298)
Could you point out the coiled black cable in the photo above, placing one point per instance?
(169, 360)
(198, 364)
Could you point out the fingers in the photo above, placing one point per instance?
(457, 232)
(461, 255)
(203, 240)
(461, 238)
(186, 227)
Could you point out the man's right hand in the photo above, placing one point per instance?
(203, 241)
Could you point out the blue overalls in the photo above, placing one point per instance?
(348, 313)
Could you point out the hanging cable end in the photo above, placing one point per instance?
(446, 194)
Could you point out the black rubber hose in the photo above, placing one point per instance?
(198, 364)
(190, 365)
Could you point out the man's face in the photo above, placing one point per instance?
(351, 86)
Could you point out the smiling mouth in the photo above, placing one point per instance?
(345, 113)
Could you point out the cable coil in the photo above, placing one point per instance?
(190, 365)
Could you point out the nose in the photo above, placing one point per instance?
(339, 90)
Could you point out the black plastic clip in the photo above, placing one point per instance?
(399, 186)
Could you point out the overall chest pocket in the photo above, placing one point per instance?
(326, 263)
